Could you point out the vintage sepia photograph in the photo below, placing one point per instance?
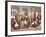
(25, 18)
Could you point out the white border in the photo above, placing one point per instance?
(25, 32)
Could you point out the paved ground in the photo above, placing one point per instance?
(27, 29)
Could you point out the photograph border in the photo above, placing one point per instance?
(6, 18)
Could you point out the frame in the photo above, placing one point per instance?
(15, 9)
